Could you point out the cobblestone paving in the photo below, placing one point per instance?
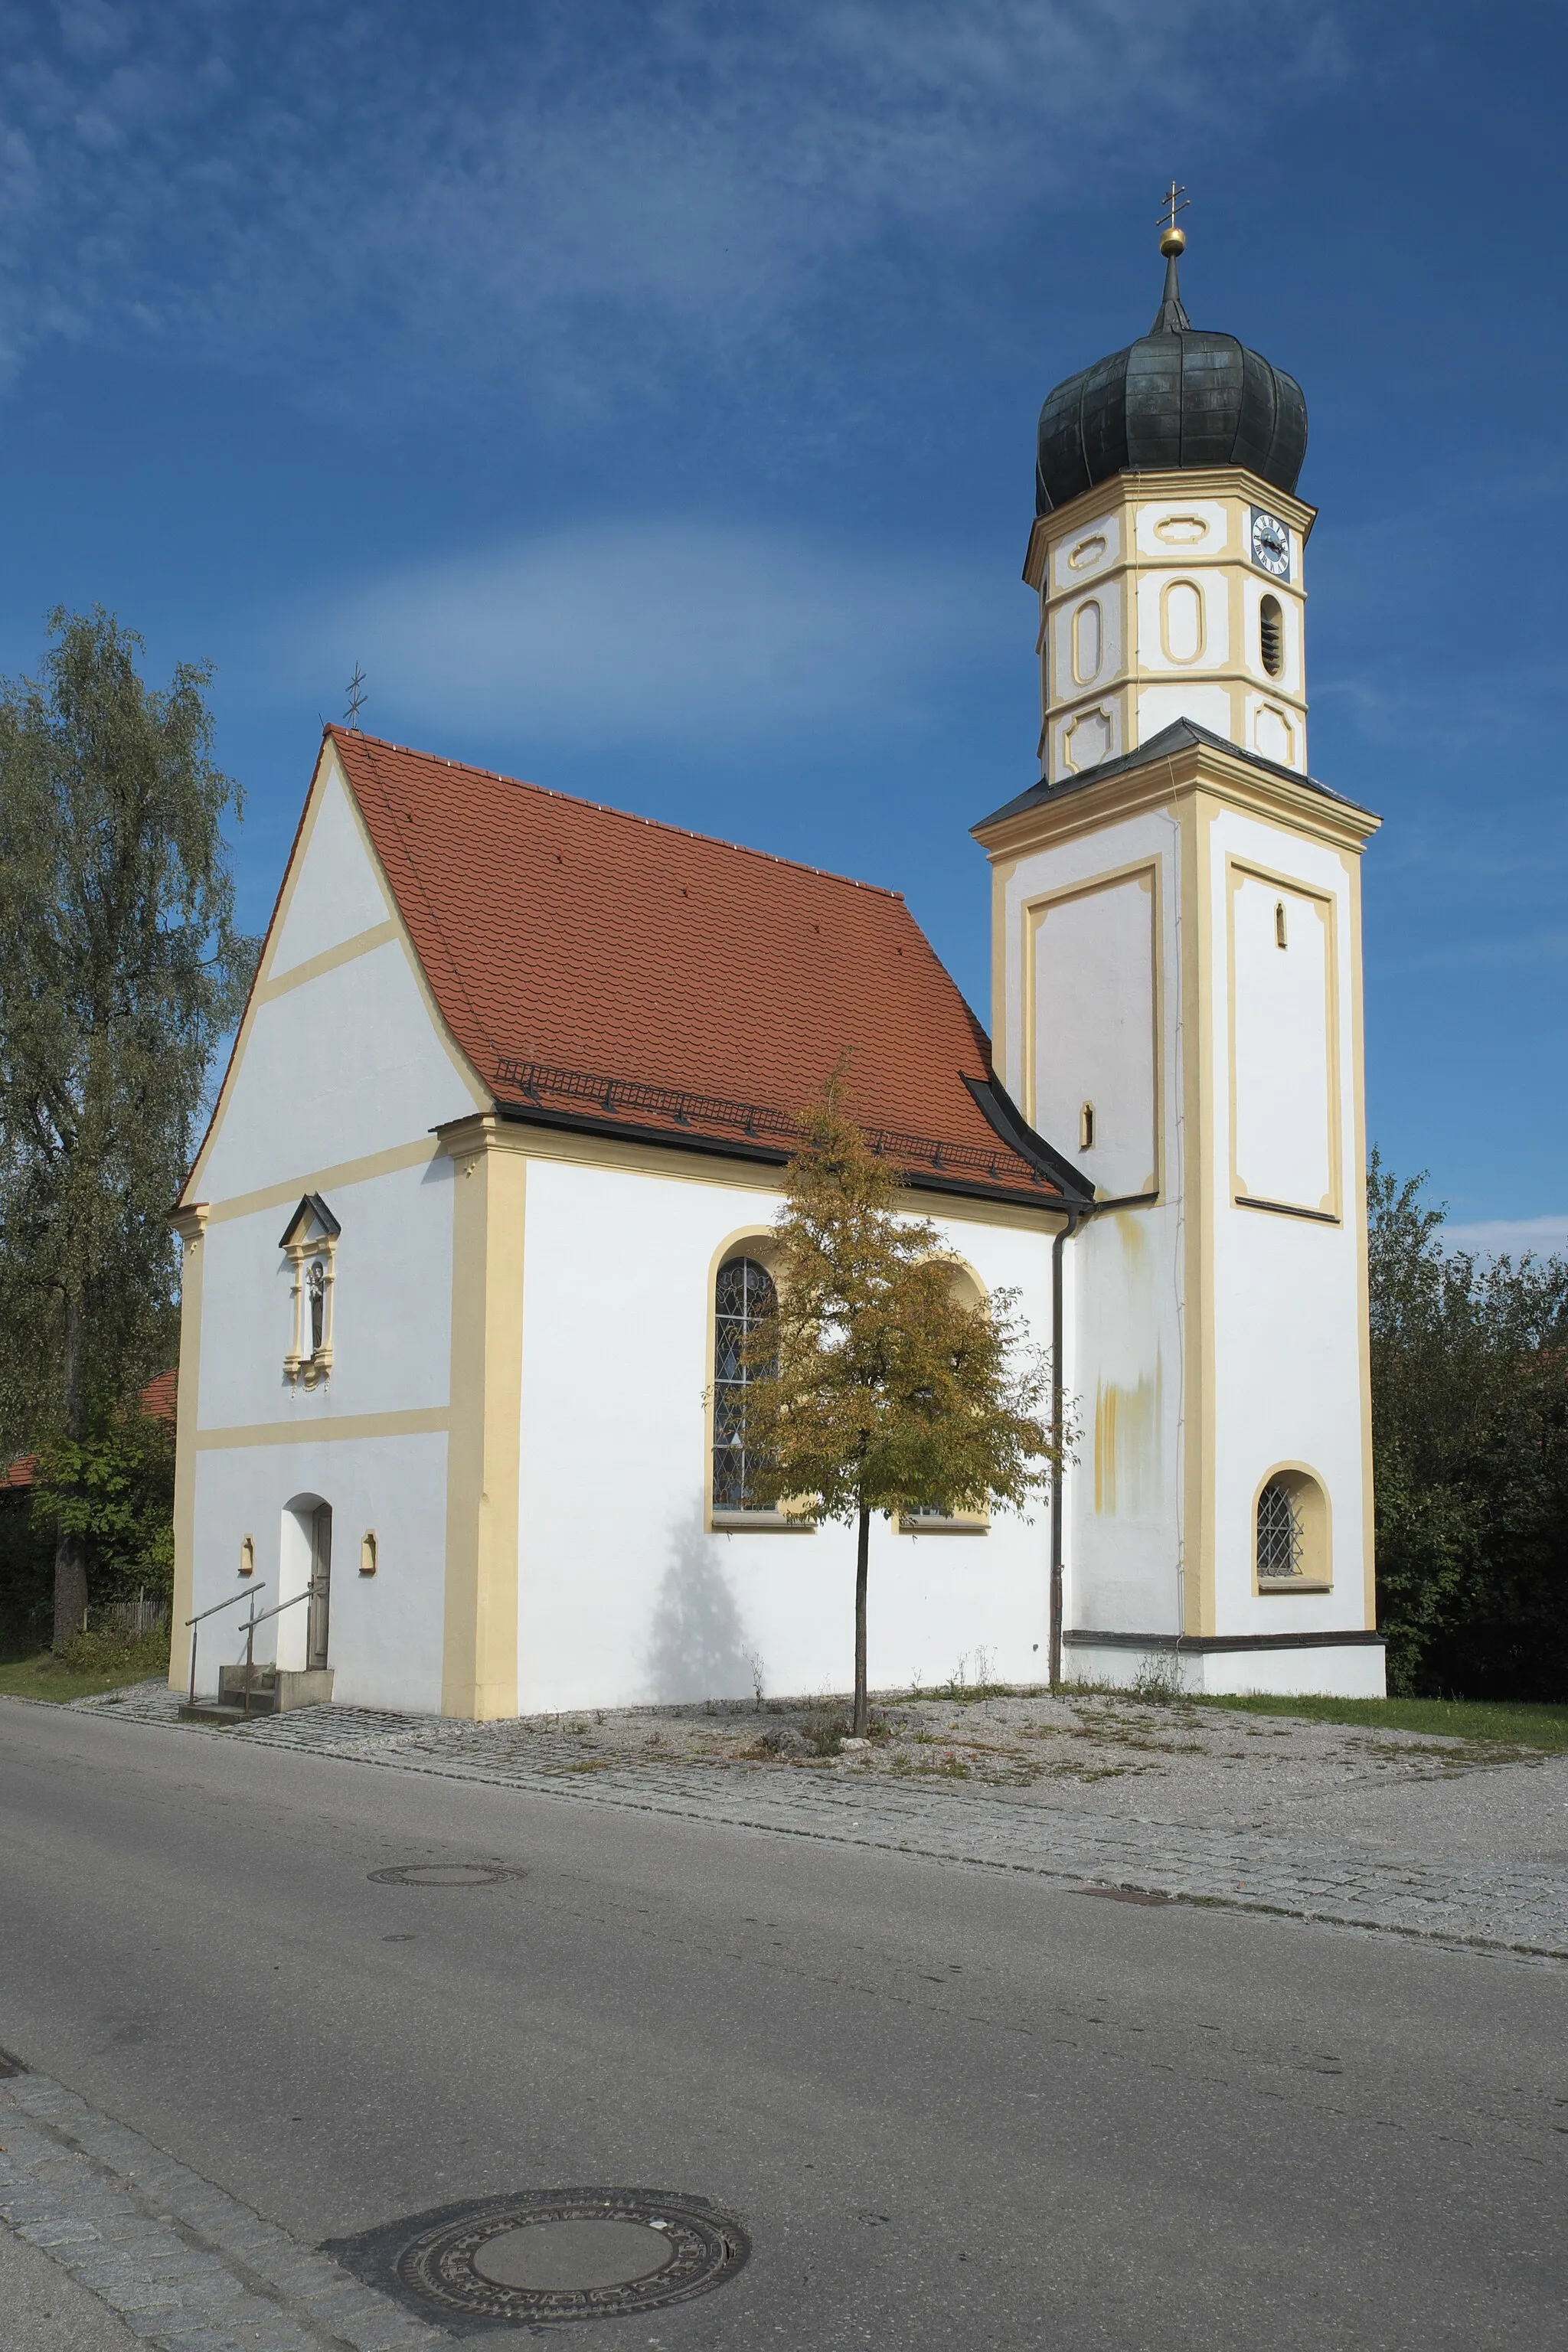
(186, 2267)
(1102, 1789)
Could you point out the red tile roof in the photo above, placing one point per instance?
(601, 969)
(157, 1401)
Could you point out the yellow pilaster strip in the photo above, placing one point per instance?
(1198, 1163)
(478, 1659)
(188, 1224)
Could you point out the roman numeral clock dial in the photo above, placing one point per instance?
(1270, 544)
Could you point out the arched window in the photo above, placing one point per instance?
(744, 1298)
(1271, 635)
(1281, 1539)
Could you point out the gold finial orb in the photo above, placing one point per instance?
(1173, 242)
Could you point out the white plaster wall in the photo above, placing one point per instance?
(1121, 1542)
(337, 891)
(1286, 1305)
(1284, 1079)
(391, 1306)
(1093, 561)
(344, 1067)
(1337, 1670)
(1213, 588)
(1094, 1031)
(387, 1629)
(1159, 518)
(345, 1064)
(624, 1596)
(1123, 1369)
(1161, 706)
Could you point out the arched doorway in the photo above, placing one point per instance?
(304, 1584)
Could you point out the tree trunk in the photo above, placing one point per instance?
(862, 1558)
(70, 1588)
(70, 1550)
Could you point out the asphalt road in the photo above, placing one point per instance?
(954, 2110)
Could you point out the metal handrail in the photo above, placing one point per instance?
(253, 1621)
(194, 1622)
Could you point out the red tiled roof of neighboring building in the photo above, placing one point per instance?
(605, 969)
(157, 1401)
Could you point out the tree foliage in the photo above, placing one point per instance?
(877, 1388)
(120, 970)
(1469, 1386)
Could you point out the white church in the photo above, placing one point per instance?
(489, 1190)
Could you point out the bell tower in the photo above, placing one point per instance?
(1169, 545)
(1177, 986)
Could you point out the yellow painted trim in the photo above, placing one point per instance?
(1034, 911)
(1226, 778)
(1357, 1212)
(363, 943)
(397, 1157)
(479, 1637)
(633, 1158)
(1328, 1209)
(1002, 872)
(420, 1421)
(188, 1224)
(1182, 661)
(1197, 1185)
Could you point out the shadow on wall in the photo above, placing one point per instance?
(697, 1643)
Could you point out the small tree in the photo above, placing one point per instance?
(120, 970)
(875, 1388)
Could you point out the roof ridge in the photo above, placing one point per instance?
(626, 816)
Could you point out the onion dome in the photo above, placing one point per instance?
(1179, 397)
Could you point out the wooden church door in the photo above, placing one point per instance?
(319, 1605)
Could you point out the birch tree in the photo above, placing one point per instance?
(120, 970)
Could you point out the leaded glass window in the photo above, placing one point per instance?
(1280, 1537)
(744, 1298)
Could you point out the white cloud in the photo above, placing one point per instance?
(653, 631)
(576, 196)
(1509, 1236)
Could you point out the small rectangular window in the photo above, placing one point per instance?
(1085, 1127)
(1279, 923)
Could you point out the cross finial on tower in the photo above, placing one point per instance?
(356, 699)
(1171, 318)
(1172, 240)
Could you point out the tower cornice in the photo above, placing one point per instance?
(1184, 482)
(1184, 762)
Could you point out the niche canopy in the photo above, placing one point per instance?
(1181, 396)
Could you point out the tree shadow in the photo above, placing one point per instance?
(697, 1641)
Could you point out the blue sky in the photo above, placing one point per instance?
(644, 394)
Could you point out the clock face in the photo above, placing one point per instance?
(1270, 544)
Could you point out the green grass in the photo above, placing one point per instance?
(93, 1667)
(1520, 1723)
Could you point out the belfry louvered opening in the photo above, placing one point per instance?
(1271, 635)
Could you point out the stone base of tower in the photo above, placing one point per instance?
(1329, 1665)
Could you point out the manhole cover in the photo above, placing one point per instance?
(568, 2254)
(443, 1874)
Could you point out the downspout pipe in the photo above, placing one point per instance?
(1070, 1225)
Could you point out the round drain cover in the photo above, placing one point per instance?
(575, 2253)
(443, 1874)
